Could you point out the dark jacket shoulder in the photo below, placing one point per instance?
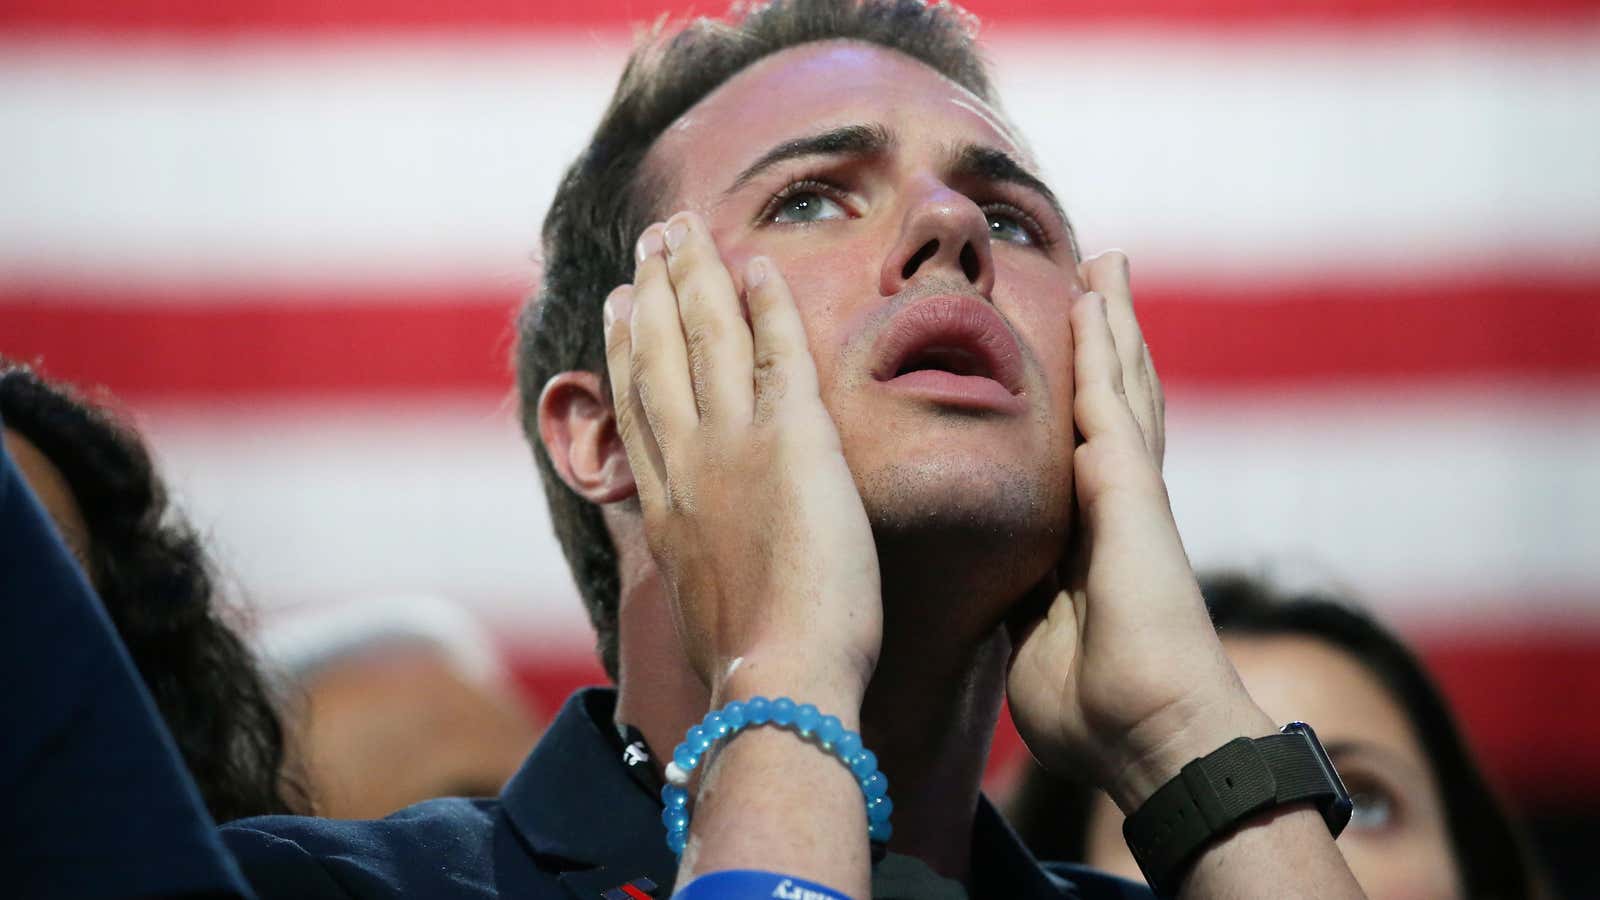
(572, 823)
(447, 842)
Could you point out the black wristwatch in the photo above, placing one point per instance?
(1214, 794)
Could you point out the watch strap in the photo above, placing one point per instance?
(1215, 793)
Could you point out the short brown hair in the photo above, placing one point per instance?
(606, 199)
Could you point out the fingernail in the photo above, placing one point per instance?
(755, 272)
(676, 230)
(617, 305)
(649, 243)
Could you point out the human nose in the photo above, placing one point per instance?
(943, 232)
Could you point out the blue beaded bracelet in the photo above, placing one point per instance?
(803, 719)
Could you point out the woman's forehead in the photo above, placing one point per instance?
(1295, 676)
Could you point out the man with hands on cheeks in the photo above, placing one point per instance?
(860, 430)
(927, 470)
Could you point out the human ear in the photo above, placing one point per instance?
(579, 431)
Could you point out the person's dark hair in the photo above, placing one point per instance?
(1052, 814)
(607, 198)
(151, 572)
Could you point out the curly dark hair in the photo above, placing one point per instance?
(151, 571)
(606, 198)
(1052, 814)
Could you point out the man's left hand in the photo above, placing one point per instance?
(1117, 674)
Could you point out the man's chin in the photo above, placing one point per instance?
(969, 515)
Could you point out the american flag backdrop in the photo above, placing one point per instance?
(290, 235)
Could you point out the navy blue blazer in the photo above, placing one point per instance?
(94, 798)
(572, 823)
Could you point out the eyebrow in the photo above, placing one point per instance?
(991, 164)
(849, 140)
(1335, 746)
(1359, 748)
(969, 160)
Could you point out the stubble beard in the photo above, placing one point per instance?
(964, 529)
(959, 544)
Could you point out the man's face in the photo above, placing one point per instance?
(930, 268)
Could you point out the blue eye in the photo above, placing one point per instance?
(1373, 809)
(1004, 226)
(806, 206)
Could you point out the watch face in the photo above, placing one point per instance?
(1336, 810)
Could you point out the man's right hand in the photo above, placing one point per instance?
(749, 509)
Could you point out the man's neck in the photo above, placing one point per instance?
(931, 727)
(657, 691)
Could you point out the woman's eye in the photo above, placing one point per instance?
(1004, 226)
(1373, 810)
(807, 206)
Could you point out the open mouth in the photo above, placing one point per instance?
(945, 358)
(955, 350)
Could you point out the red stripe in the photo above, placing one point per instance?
(1477, 328)
(403, 342)
(206, 17)
(266, 346)
(1527, 701)
(634, 892)
(1524, 699)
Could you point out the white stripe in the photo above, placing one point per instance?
(309, 504)
(329, 162)
(1463, 506)
(1453, 507)
(1396, 150)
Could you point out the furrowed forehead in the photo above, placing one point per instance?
(804, 90)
